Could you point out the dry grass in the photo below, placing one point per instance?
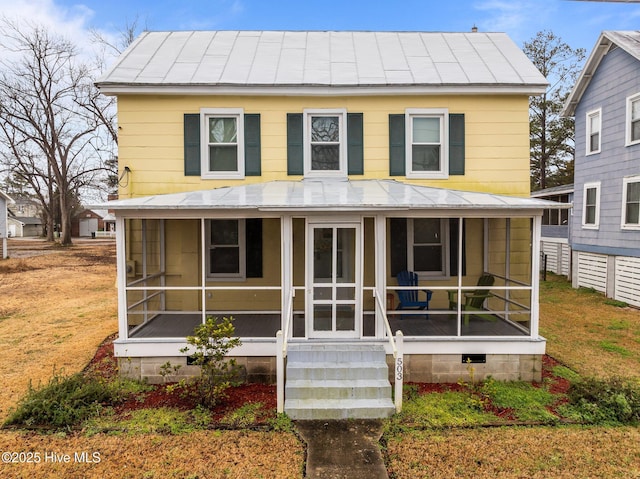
(55, 309)
(229, 454)
(587, 332)
(517, 453)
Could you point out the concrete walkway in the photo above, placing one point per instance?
(343, 449)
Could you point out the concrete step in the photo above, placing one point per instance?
(339, 353)
(338, 389)
(337, 381)
(310, 409)
(345, 370)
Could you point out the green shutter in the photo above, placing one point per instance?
(192, 144)
(252, 153)
(295, 148)
(456, 143)
(253, 232)
(398, 244)
(453, 247)
(355, 144)
(396, 145)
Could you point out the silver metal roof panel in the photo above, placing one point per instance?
(254, 59)
(331, 195)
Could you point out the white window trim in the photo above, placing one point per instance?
(590, 115)
(596, 225)
(441, 113)
(628, 141)
(623, 217)
(206, 113)
(306, 141)
(242, 245)
(444, 234)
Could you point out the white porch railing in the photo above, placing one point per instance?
(281, 351)
(397, 350)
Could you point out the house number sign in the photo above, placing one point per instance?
(399, 369)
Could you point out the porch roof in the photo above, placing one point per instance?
(331, 194)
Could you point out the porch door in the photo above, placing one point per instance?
(334, 281)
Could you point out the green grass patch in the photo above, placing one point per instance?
(244, 416)
(616, 303)
(618, 325)
(614, 348)
(149, 421)
(444, 410)
(528, 403)
(566, 373)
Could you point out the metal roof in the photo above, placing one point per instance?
(330, 195)
(228, 60)
(629, 41)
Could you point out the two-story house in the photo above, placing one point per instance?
(285, 178)
(605, 233)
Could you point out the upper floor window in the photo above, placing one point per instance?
(591, 206)
(324, 143)
(222, 143)
(633, 119)
(631, 202)
(593, 131)
(427, 143)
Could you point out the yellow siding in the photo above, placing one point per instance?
(151, 139)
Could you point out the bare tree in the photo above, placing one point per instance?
(47, 132)
(103, 107)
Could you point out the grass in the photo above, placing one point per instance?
(594, 335)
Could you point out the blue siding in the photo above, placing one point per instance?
(617, 77)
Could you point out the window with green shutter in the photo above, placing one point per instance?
(418, 146)
(222, 144)
(324, 143)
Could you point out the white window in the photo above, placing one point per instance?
(591, 206)
(325, 144)
(631, 202)
(427, 143)
(594, 123)
(427, 252)
(633, 119)
(222, 143)
(226, 248)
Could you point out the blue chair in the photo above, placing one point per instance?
(410, 298)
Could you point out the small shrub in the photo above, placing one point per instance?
(608, 401)
(212, 342)
(63, 403)
(281, 423)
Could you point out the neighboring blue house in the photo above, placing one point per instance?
(556, 230)
(605, 227)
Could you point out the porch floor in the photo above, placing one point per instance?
(178, 325)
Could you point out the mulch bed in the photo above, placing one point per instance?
(104, 364)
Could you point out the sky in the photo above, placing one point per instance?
(577, 23)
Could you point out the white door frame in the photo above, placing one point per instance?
(332, 283)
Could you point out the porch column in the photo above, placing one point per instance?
(380, 269)
(535, 274)
(203, 268)
(121, 277)
(286, 244)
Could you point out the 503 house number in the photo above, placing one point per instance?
(399, 369)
